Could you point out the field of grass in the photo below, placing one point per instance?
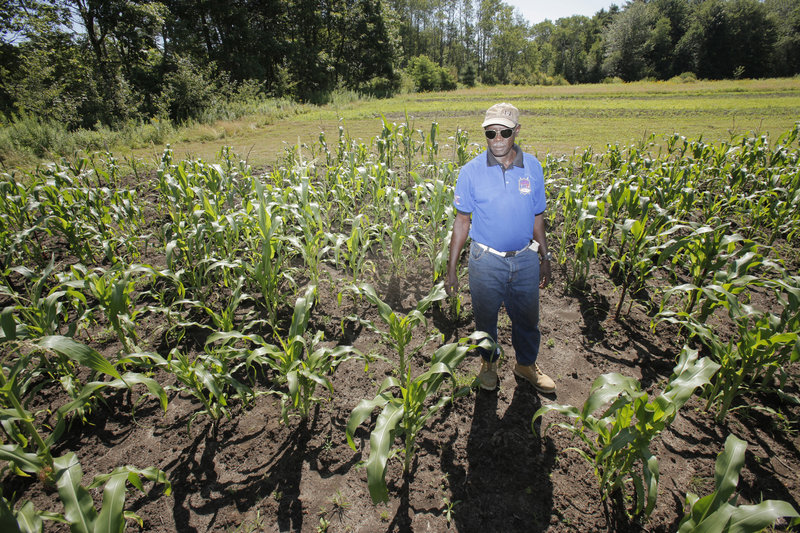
(556, 120)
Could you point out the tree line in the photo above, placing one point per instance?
(88, 62)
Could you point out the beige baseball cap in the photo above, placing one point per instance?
(503, 114)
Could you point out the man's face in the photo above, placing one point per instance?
(499, 145)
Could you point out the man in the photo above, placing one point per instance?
(500, 203)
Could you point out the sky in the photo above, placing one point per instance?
(536, 11)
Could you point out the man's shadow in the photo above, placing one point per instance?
(506, 483)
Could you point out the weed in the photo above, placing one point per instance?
(449, 508)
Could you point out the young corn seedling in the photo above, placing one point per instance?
(641, 242)
(400, 231)
(400, 332)
(209, 377)
(222, 315)
(705, 251)
(461, 147)
(312, 247)
(718, 511)
(355, 249)
(114, 292)
(388, 143)
(21, 231)
(22, 379)
(267, 266)
(619, 436)
(764, 343)
(299, 363)
(41, 312)
(406, 406)
(580, 218)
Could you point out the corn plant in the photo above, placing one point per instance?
(388, 144)
(581, 215)
(460, 146)
(300, 364)
(19, 380)
(313, 247)
(401, 231)
(400, 332)
(79, 510)
(21, 229)
(430, 144)
(209, 377)
(704, 252)
(410, 147)
(38, 311)
(621, 197)
(718, 511)
(620, 436)
(18, 423)
(222, 312)
(764, 343)
(406, 406)
(114, 291)
(737, 276)
(642, 240)
(353, 251)
(266, 264)
(434, 198)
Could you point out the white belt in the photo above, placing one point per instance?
(533, 245)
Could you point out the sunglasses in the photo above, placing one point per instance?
(491, 134)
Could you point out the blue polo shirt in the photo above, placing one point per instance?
(503, 203)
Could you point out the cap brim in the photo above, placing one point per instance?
(498, 121)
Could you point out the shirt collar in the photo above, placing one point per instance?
(491, 160)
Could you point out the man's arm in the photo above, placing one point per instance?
(457, 241)
(540, 236)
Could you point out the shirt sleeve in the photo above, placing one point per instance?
(540, 199)
(463, 200)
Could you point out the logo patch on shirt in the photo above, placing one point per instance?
(524, 186)
(458, 200)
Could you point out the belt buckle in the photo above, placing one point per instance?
(511, 254)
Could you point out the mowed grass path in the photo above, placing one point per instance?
(555, 120)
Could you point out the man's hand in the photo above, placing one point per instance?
(545, 273)
(451, 285)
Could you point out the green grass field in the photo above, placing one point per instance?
(556, 120)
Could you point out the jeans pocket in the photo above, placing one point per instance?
(476, 252)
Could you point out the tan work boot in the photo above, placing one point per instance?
(537, 378)
(487, 377)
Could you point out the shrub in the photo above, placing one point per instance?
(447, 80)
(684, 77)
(33, 136)
(428, 76)
(469, 75)
(381, 87)
(188, 91)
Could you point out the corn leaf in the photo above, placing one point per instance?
(111, 518)
(78, 506)
(363, 411)
(752, 518)
(79, 353)
(380, 443)
(8, 522)
(20, 459)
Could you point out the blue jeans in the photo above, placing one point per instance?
(513, 281)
